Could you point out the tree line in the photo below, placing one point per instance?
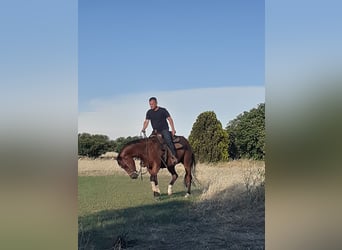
(243, 137)
(96, 145)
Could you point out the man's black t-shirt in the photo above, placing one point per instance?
(158, 118)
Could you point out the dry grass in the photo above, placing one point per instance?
(232, 204)
(109, 166)
(216, 178)
(98, 167)
(213, 179)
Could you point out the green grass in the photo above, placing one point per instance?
(98, 193)
(111, 207)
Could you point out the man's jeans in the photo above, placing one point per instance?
(167, 137)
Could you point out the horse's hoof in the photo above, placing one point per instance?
(156, 196)
(187, 195)
(169, 190)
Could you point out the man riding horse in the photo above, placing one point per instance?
(158, 116)
(150, 151)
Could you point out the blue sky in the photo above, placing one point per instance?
(129, 48)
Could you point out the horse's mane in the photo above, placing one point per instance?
(136, 141)
(151, 139)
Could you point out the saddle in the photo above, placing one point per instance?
(165, 148)
(175, 140)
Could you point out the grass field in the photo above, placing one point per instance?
(225, 211)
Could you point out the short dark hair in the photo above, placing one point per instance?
(153, 99)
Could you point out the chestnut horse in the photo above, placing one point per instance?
(154, 155)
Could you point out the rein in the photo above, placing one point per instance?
(140, 170)
(141, 173)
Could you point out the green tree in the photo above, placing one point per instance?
(93, 145)
(247, 134)
(122, 141)
(84, 143)
(96, 145)
(208, 139)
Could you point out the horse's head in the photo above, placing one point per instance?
(128, 164)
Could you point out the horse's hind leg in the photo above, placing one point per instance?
(173, 179)
(187, 180)
(154, 184)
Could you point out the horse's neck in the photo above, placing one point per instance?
(136, 152)
(142, 149)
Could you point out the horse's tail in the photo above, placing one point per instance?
(187, 145)
(193, 164)
(194, 179)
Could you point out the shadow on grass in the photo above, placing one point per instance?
(229, 220)
(103, 228)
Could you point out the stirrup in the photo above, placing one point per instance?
(174, 159)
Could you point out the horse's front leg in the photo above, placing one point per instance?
(154, 184)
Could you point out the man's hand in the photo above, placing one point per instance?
(173, 132)
(145, 126)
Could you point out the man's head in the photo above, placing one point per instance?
(153, 102)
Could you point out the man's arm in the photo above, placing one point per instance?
(173, 131)
(145, 125)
